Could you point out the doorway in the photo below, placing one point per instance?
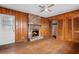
(54, 29)
(7, 29)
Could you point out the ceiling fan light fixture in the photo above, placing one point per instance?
(46, 7)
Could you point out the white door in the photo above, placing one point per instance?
(7, 29)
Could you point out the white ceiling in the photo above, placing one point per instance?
(34, 9)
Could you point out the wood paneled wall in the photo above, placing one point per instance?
(45, 27)
(21, 23)
(66, 18)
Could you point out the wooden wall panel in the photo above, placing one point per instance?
(45, 29)
(59, 29)
(76, 29)
(50, 27)
(21, 23)
(67, 31)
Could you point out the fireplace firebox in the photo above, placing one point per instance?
(35, 33)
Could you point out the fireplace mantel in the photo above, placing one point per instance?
(34, 24)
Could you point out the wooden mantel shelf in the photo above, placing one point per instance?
(35, 24)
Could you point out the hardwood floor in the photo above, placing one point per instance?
(49, 46)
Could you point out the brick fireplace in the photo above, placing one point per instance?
(34, 28)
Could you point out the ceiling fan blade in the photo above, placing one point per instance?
(42, 10)
(49, 10)
(50, 5)
(42, 6)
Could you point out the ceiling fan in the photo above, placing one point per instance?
(46, 7)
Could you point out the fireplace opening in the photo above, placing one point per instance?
(35, 33)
